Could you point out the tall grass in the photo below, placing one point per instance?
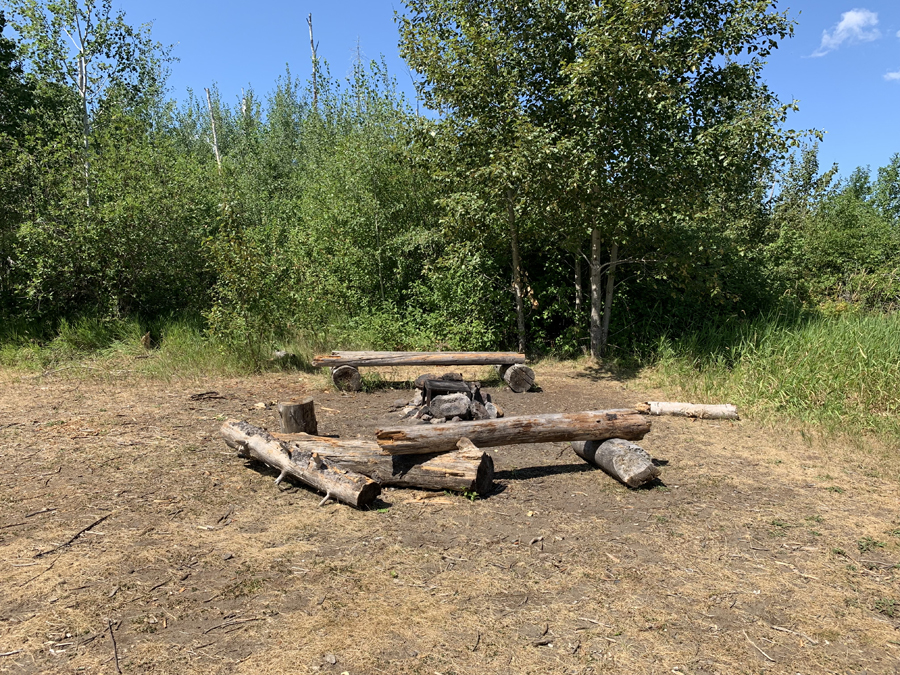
(842, 371)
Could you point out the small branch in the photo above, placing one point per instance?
(18, 651)
(793, 632)
(232, 623)
(757, 648)
(75, 536)
(327, 497)
(115, 648)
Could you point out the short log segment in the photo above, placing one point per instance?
(466, 469)
(360, 359)
(305, 465)
(520, 378)
(583, 426)
(624, 461)
(725, 411)
(346, 378)
(298, 417)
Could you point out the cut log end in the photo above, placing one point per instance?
(519, 378)
(346, 378)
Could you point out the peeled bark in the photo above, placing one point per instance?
(724, 411)
(361, 359)
(624, 461)
(465, 469)
(302, 463)
(298, 417)
(582, 426)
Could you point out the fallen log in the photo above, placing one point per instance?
(582, 426)
(624, 461)
(724, 411)
(360, 359)
(465, 469)
(298, 417)
(307, 466)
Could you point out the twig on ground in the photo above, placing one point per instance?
(756, 647)
(75, 536)
(115, 648)
(793, 632)
(39, 511)
(49, 567)
(3, 527)
(232, 623)
(18, 651)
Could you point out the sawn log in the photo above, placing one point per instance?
(360, 359)
(624, 461)
(464, 469)
(308, 466)
(582, 426)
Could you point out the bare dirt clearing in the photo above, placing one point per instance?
(759, 550)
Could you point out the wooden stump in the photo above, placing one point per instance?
(298, 417)
(465, 469)
(346, 378)
(520, 378)
(624, 461)
(308, 466)
(597, 424)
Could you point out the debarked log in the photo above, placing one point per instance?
(306, 465)
(346, 378)
(519, 377)
(465, 469)
(724, 411)
(360, 359)
(621, 459)
(582, 426)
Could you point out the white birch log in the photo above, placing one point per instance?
(724, 411)
(624, 461)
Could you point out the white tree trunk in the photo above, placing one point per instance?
(596, 297)
(517, 269)
(607, 305)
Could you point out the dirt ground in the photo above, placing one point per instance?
(760, 549)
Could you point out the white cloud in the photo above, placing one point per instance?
(892, 76)
(857, 25)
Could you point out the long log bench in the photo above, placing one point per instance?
(345, 365)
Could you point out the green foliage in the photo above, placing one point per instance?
(839, 371)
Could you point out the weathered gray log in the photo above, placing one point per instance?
(724, 411)
(520, 378)
(463, 470)
(304, 464)
(346, 378)
(582, 426)
(360, 359)
(621, 459)
(298, 417)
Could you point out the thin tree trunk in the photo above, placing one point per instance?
(517, 269)
(315, 63)
(578, 289)
(607, 305)
(596, 299)
(212, 121)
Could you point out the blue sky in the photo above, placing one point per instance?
(843, 63)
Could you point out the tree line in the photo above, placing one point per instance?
(594, 175)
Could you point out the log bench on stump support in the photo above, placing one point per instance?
(345, 365)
